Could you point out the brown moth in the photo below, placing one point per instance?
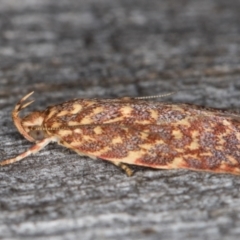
(136, 132)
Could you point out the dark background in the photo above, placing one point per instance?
(110, 48)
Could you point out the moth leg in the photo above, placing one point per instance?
(34, 149)
(124, 167)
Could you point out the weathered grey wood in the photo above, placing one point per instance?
(68, 48)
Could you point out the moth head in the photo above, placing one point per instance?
(31, 125)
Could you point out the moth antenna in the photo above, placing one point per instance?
(17, 120)
(155, 96)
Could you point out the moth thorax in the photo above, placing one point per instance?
(33, 125)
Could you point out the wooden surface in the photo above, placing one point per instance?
(102, 48)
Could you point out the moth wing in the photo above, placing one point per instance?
(145, 145)
(164, 146)
(114, 142)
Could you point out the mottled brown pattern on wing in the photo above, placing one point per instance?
(110, 112)
(215, 147)
(153, 134)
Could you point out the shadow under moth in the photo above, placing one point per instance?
(136, 131)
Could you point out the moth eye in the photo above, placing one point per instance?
(37, 134)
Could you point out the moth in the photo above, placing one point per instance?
(135, 131)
